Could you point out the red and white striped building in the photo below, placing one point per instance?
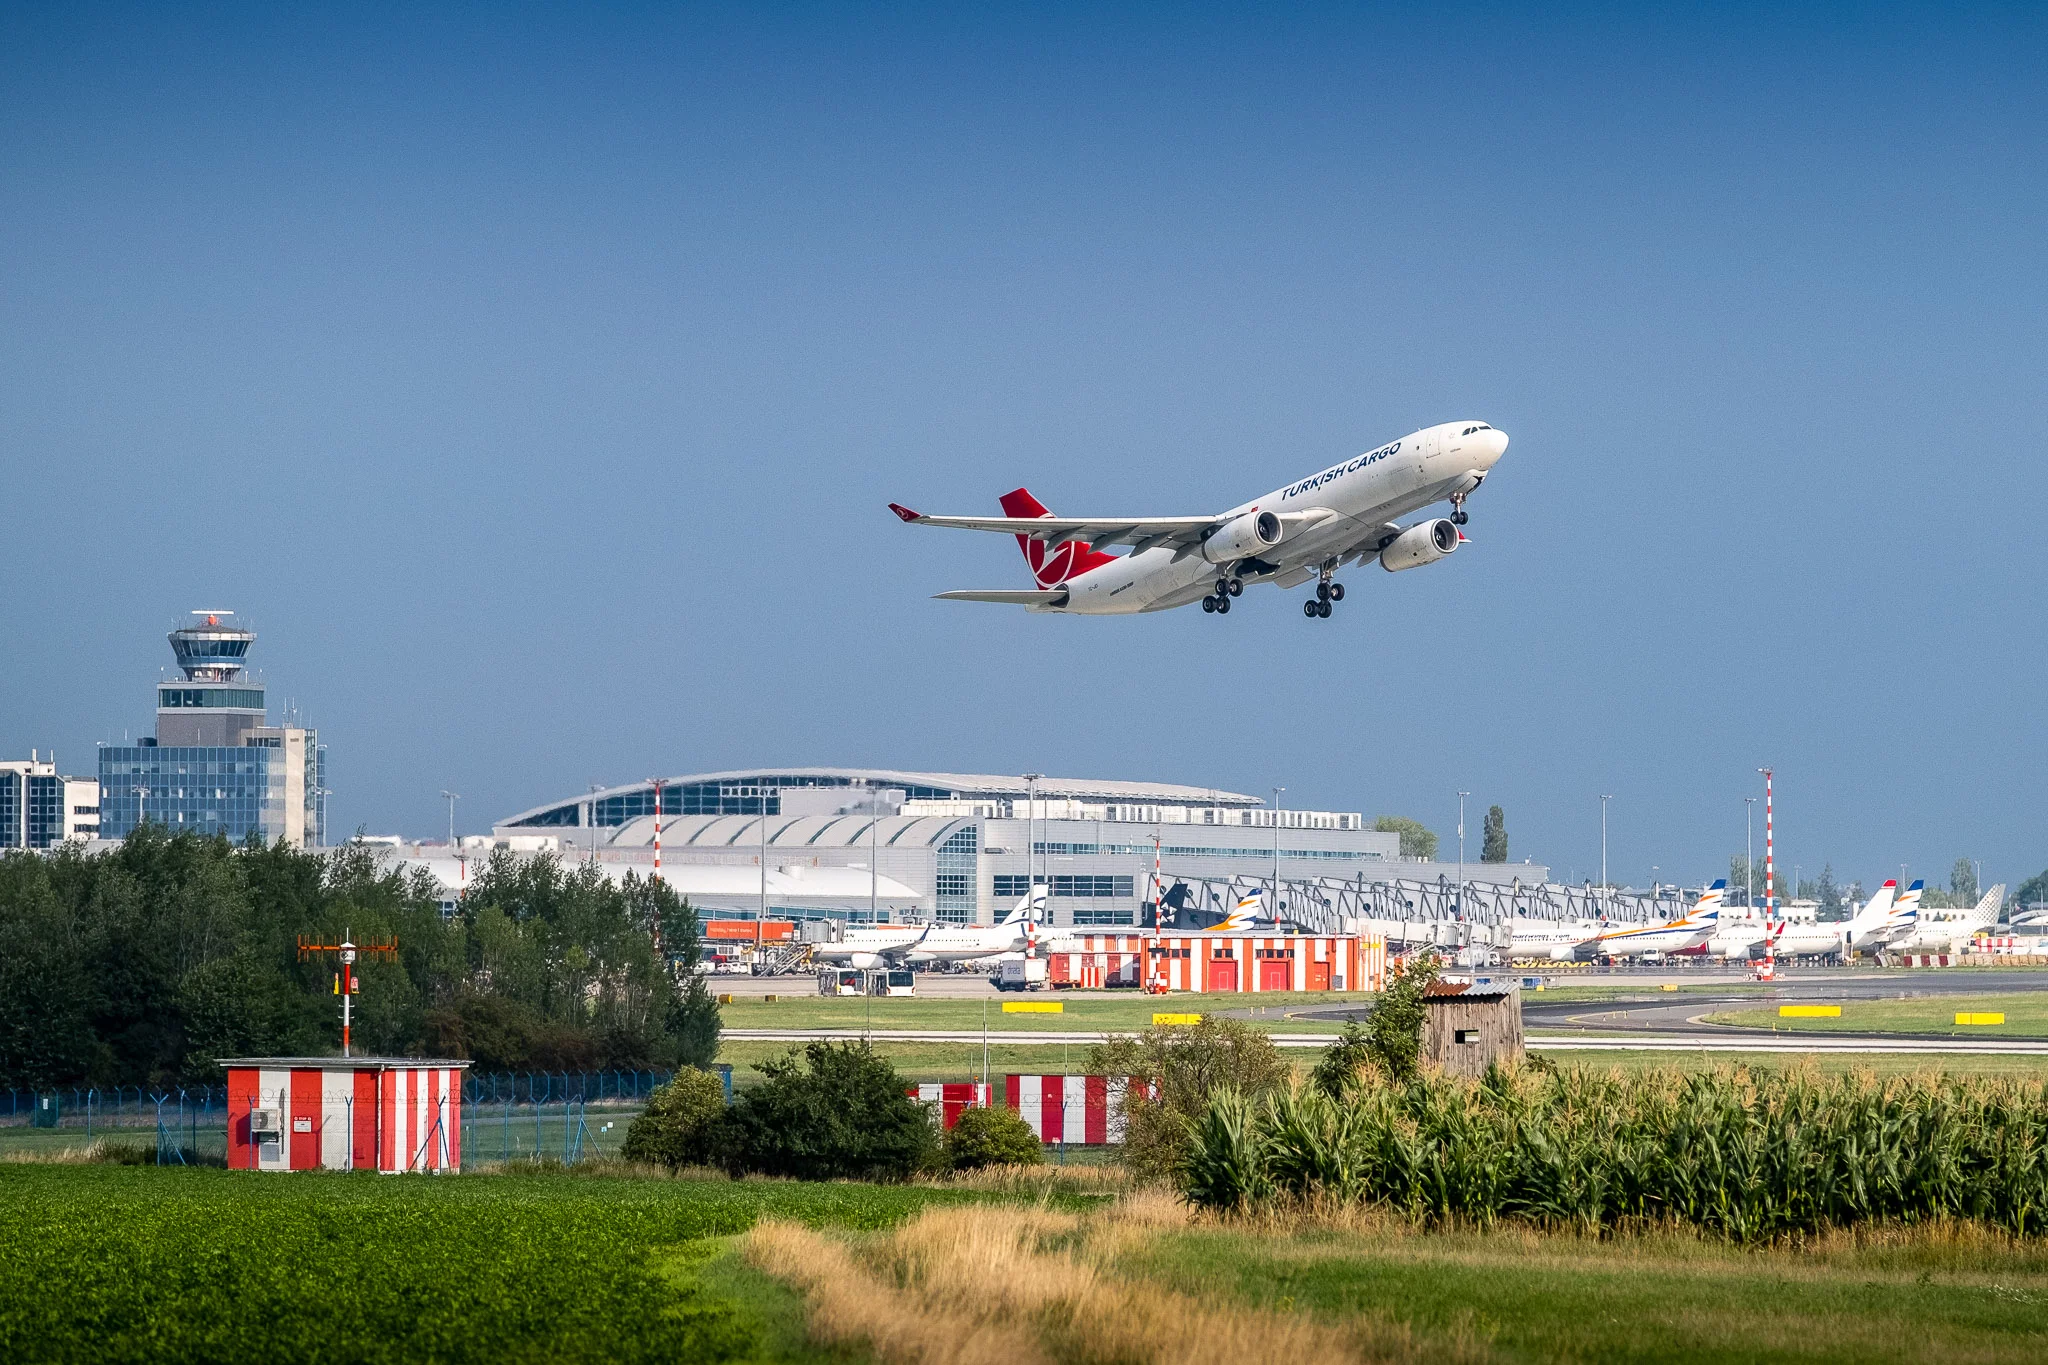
(1220, 962)
(1085, 1110)
(387, 1114)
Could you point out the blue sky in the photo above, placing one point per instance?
(535, 380)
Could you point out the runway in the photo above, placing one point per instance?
(1721, 1040)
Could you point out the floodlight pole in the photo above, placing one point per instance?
(451, 798)
(1461, 853)
(1603, 842)
(1749, 851)
(1030, 843)
(1274, 908)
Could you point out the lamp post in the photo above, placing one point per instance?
(1031, 844)
(1274, 909)
(874, 848)
(1461, 851)
(451, 798)
(141, 795)
(1748, 851)
(1603, 841)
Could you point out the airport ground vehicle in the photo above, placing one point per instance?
(1021, 974)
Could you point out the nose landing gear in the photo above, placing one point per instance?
(1458, 514)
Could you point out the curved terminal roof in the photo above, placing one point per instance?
(741, 791)
(743, 832)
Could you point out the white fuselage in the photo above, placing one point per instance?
(1551, 938)
(915, 943)
(1343, 511)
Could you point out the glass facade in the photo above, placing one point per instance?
(211, 790)
(1345, 855)
(244, 698)
(730, 796)
(31, 810)
(957, 872)
(1016, 887)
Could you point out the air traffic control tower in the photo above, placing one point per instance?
(216, 765)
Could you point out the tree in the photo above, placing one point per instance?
(1493, 847)
(1828, 894)
(995, 1136)
(676, 1127)
(1417, 842)
(1962, 882)
(829, 1112)
(1174, 1068)
(1393, 1031)
(2032, 891)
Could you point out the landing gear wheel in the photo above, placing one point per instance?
(1336, 592)
(1236, 586)
(1223, 605)
(1460, 517)
(1209, 605)
(1309, 609)
(1323, 610)
(1223, 587)
(1322, 592)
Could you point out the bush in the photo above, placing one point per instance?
(997, 1136)
(1393, 1031)
(1750, 1156)
(1180, 1067)
(827, 1112)
(675, 1129)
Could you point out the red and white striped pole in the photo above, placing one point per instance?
(657, 827)
(1770, 901)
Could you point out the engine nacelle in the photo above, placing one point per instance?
(1242, 537)
(1423, 543)
(866, 962)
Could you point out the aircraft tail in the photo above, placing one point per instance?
(1030, 909)
(1049, 566)
(1877, 907)
(1985, 913)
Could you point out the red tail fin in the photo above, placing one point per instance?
(1050, 568)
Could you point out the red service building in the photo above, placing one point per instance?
(1221, 962)
(389, 1114)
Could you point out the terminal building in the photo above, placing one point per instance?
(216, 765)
(954, 847)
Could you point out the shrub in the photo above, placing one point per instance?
(1344, 1061)
(1393, 1031)
(996, 1136)
(1181, 1066)
(827, 1112)
(675, 1129)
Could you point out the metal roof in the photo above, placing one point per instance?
(340, 1063)
(743, 832)
(964, 786)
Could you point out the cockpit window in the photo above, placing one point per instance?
(1469, 430)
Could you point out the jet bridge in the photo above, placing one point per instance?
(1425, 912)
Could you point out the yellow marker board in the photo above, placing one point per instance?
(1176, 1019)
(1809, 1011)
(1034, 1006)
(1980, 1018)
(1668, 986)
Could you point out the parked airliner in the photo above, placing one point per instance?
(1689, 930)
(902, 944)
(1307, 530)
(1867, 928)
(1950, 931)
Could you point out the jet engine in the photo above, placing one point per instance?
(866, 962)
(1242, 537)
(1423, 543)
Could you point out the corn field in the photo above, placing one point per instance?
(1747, 1155)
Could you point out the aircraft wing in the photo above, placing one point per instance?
(1020, 597)
(1139, 532)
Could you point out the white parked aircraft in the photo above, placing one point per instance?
(904, 944)
(1865, 929)
(1551, 938)
(1948, 931)
(1309, 529)
(1689, 930)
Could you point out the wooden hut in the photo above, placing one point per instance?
(1467, 1028)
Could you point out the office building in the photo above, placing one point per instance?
(215, 764)
(41, 808)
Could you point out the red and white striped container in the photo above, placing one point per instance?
(1087, 1110)
(387, 1114)
(952, 1097)
(1248, 963)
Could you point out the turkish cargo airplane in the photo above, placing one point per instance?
(1308, 529)
(902, 944)
(1689, 930)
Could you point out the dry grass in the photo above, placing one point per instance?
(1036, 1181)
(1010, 1283)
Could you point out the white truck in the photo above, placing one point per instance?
(1021, 974)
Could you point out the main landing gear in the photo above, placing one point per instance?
(1458, 514)
(1327, 592)
(1227, 587)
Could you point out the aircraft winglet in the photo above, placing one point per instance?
(904, 512)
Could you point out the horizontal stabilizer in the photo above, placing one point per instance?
(1021, 597)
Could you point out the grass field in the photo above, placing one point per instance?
(1827, 1063)
(1081, 1012)
(2026, 1016)
(1138, 1282)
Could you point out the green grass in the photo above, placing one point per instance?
(1083, 1012)
(1535, 1297)
(2026, 1016)
(118, 1263)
